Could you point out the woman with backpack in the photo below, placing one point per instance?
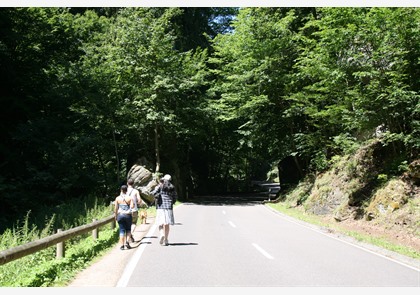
(165, 198)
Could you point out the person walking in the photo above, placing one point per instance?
(165, 197)
(135, 196)
(122, 211)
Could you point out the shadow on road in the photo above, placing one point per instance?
(183, 244)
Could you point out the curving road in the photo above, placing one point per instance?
(249, 245)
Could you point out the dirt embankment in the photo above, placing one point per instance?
(358, 195)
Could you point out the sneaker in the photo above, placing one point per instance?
(128, 246)
(162, 239)
(122, 247)
(166, 243)
(132, 239)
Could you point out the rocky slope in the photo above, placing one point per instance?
(357, 195)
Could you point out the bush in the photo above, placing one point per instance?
(42, 268)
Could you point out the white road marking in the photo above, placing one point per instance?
(311, 227)
(263, 252)
(128, 271)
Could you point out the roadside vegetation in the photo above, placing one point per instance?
(355, 232)
(216, 97)
(362, 197)
(42, 269)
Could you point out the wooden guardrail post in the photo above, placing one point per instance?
(55, 239)
(95, 231)
(111, 206)
(60, 247)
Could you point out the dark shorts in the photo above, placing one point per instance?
(124, 222)
(135, 216)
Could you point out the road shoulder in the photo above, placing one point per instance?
(107, 270)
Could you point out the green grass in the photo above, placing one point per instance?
(42, 269)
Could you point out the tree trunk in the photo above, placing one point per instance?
(157, 169)
(116, 155)
(101, 164)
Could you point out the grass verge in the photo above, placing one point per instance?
(381, 242)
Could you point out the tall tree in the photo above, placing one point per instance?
(252, 65)
(39, 124)
(352, 76)
(154, 86)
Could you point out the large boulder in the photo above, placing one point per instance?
(141, 175)
(146, 191)
(144, 180)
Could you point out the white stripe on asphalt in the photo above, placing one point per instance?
(263, 252)
(128, 271)
(312, 227)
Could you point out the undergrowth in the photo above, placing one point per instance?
(42, 269)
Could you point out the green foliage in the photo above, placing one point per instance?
(42, 269)
(351, 69)
(351, 168)
(220, 94)
(345, 143)
(88, 91)
(251, 66)
(196, 26)
(47, 220)
(319, 163)
(382, 178)
(403, 167)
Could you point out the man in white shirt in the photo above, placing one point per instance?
(135, 195)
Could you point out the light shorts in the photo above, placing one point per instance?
(165, 216)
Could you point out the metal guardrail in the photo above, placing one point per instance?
(55, 239)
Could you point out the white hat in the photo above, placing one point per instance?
(167, 177)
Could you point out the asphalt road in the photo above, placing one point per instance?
(247, 245)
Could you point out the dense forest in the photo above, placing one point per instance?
(217, 97)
